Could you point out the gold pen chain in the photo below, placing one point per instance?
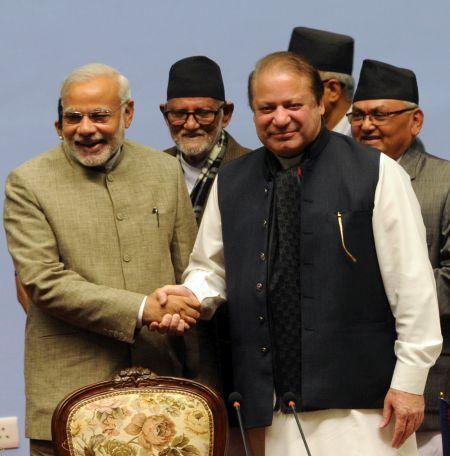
(341, 230)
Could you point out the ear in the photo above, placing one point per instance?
(334, 90)
(322, 107)
(58, 128)
(128, 113)
(227, 113)
(416, 122)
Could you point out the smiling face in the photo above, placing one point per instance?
(286, 114)
(394, 136)
(196, 141)
(89, 142)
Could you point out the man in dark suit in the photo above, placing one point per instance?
(386, 115)
(317, 244)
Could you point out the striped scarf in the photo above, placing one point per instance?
(206, 177)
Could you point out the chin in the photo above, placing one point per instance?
(193, 150)
(89, 160)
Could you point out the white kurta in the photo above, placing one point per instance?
(409, 283)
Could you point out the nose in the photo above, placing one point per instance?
(281, 117)
(191, 123)
(86, 127)
(367, 124)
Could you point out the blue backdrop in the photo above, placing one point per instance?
(41, 41)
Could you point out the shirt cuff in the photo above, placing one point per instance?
(410, 379)
(140, 313)
(208, 299)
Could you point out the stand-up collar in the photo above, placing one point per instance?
(309, 153)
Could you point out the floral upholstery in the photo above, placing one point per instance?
(141, 423)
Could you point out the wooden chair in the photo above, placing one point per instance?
(140, 414)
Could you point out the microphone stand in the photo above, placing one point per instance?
(235, 399)
(288, 399)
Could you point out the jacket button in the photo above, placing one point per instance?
(120, 216)
(261, 318)
(264, 223)
(262, 256)
(126, 258)
(109, 178)
(259, 286)
(264, 350)
(266, 191)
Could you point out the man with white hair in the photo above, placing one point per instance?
(93, 226)
(332, 55)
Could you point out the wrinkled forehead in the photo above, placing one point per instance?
(192, 103)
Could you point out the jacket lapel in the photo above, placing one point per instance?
(411, 158)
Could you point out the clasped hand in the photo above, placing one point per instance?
(171, 310)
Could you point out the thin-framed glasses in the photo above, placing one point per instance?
(178, 117)
(376, 117)
(97, 116)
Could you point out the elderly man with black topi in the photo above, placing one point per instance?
(386, 115)
(331, 54)
(196, 113)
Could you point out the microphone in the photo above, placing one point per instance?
(235, 399)
(290, 400)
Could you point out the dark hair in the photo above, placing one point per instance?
(60, 112)
(287, 61)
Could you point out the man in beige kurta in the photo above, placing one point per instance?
(94, 226)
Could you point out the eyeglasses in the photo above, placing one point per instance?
(376, 117)
(178, 117)
(97, 116)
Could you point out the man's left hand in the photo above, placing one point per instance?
(408, 409)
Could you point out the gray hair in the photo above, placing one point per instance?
(409, 104)
(95, 70)
(345, 79)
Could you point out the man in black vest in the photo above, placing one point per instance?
(386, 115)
(318, 247)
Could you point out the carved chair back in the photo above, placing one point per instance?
(140, 414)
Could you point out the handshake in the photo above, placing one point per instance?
(171, 310)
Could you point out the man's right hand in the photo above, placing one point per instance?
(185, 308)
(173, 324)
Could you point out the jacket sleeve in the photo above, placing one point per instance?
(185, 229)
(442, 273)
(58, 291)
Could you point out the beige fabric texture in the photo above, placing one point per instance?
(134, 422)
(88, 247)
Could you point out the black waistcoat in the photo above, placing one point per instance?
(348, 330)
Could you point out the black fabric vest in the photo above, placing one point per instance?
(348, 330)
